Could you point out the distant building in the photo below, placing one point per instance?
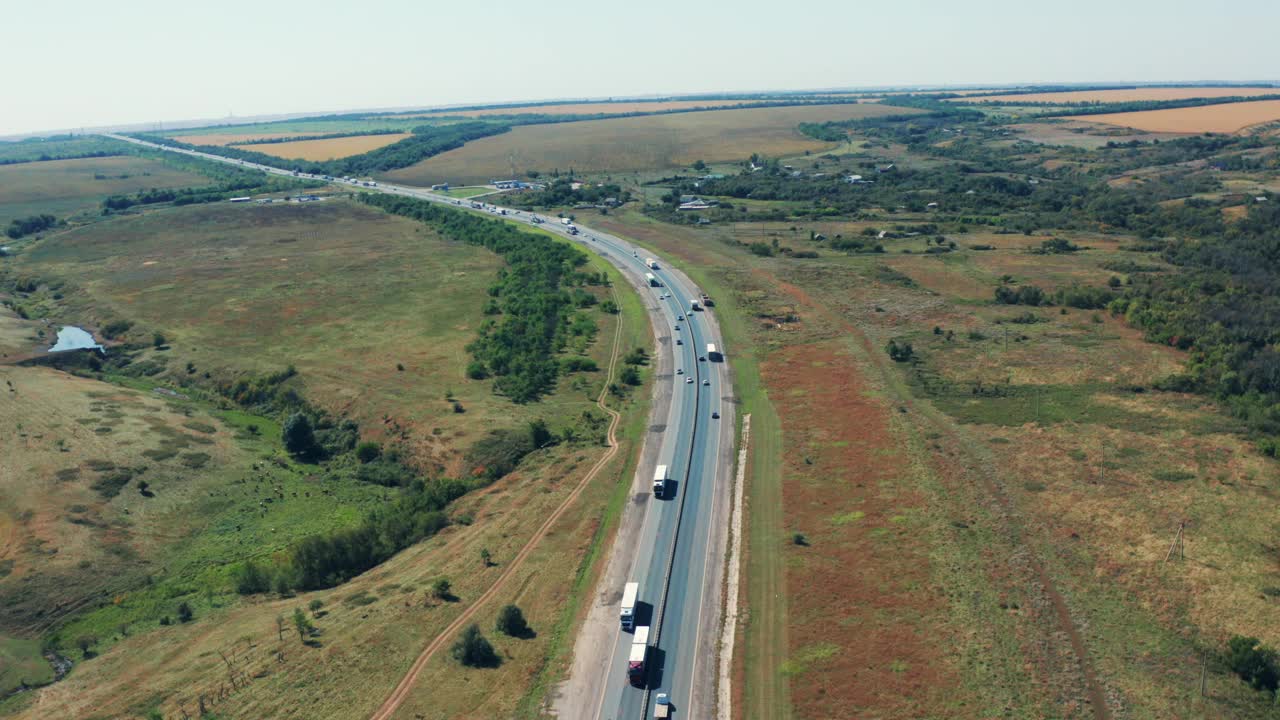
(932, 206)
(440, 187)
(241, 199)
(505, 184)
(697, 204)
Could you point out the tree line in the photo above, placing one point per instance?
(516, 345)
(21, 227)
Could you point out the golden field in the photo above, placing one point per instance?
(1225, 118)
(327, 149)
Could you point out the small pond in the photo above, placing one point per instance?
(71, 337)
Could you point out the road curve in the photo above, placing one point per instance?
(678, 560)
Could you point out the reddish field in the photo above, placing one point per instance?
(863, 632)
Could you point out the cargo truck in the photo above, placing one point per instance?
(693, 306)
(706, 300)
(660, 481)
(639, 653)
(653, 264)
(713, 355)
(652, 280)
(628, 612)
(661, 706)
(635, 664)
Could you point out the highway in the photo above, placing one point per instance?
(678, 560)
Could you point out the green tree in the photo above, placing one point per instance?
(511, 621)
(299, 438)
(185, 613)
(442, 589)
(486, 559)
(158, 340)
(630, 375)
(302, 624)
(473, 650)
(252, 578)
(1255, 663)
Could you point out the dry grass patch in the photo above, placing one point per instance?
(320, 150)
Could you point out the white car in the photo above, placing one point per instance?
(704, 381)
(688, 380)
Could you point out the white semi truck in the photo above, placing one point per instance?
(651, 263)
(628, 612)
(639, 653)
(652, 280)
(660, 481)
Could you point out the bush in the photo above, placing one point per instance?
(630, 375)
(900, 352)
(511, 621)
(185, 614)
(1024, 295)
(367, 452)
(158, 340)
(1255, 663)
(473, 650)
(441, 589)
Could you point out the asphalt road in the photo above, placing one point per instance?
(676, 561)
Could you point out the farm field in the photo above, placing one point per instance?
(232, 138)
(1140, 94)
(301, 126)
(67, 187)
(607, 108)
(326, 149)
(1226, 118)
(633, 144)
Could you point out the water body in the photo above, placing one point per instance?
(71, 337)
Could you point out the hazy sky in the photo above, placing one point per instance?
(93, 62)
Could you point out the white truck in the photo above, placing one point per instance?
(660, 481)
(651, 263)
(639, 653)
(652, 280)
(661, 706)
(628, 612)
(713, 355)
(566, 221)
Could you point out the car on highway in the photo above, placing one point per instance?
(679, 317)
(688, 381)
(715, 414)
(679, 341)
(661, 706)
(679, 371)
(677, 328)
(702, 358)
(706, 381)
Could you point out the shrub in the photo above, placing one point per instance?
(368, 451)
(1024, 295)
(899, 352)
(473, 650)
(252, 579)
(185, 613)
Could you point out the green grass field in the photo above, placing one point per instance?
(633, 144)
(65, 188)
(343, 292)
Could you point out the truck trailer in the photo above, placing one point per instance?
(713, 355)
(628, 612)
(638, 656)
(651, 263)
(652, 280)
(635, 662)
(660, 481)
